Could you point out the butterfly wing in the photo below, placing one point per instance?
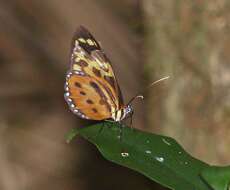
(86, 97)
(90, 65)
(88, 56)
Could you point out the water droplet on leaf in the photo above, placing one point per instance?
(124, 154)
(166, 142)
(160, 159)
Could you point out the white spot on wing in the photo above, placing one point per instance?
(79, 73)
(68, 75)
(82, 53)
(76, 43)
(77, 59)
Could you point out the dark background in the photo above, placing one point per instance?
(145, 40)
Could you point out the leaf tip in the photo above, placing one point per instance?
(71, 135)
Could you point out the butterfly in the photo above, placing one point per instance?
(91, 88)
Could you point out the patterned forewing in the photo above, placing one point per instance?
(86, 97)
(88, 57)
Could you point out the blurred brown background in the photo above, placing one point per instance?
(146, 40)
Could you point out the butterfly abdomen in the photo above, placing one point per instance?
(122, 113)
(117, 115)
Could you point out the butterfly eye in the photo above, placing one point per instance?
(128, 109)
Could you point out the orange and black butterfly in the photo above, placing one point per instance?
(91, 88)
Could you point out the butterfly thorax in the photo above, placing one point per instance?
(122, 113)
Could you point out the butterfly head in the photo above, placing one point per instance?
(126, 111)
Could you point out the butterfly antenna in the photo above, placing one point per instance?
(135, 97)
(139, 95)
(157, 81)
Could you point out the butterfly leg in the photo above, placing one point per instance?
(101, 129)
(120, 131)
(131, 121)
(110, 121)
(121, 125)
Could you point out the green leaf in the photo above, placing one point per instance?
(160, 158)
(217, 177)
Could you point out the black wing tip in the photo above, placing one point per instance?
(82, 32)
(81, 29)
